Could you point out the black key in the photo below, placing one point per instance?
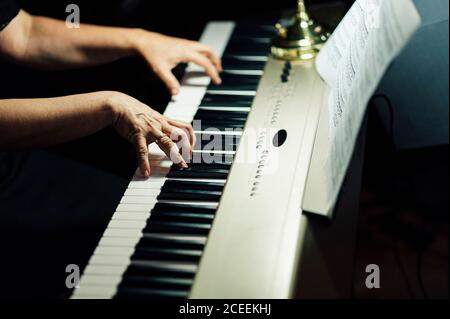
(178, 242)
(142, 293)
(224, 165)
(233, 87)
(242, 46)
(177, 208)
(207, 137)
(173, 185)
(158, 270)
(250, 40)
(210, 158)
(221, 126)
(212, 104)
(166, 254)
(191, 190)
(208, 122)
(242, 64)
(255, 31)
(223, 142)
(188, 194)
(155, 226)
(184, 217)
(240, 79)
(245, 54)
(156, 282)
(221, 115)
(192, 172)
(216, 97)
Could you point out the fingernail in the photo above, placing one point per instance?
(184, 165)
(174, 91)
(147, 173)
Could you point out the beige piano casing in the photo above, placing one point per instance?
(257, 236)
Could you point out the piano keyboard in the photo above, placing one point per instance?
(154, 242)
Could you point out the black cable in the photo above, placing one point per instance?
(402, 268)
(424, 240)
(419, 273)
(393, 212)
(391, 113)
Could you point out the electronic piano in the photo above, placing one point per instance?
(233, 228)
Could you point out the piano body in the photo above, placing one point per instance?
(233, 229)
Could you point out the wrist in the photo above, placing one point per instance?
(140, 39)
(113, 103)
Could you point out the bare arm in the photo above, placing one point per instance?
(42, 122)
(48, 43)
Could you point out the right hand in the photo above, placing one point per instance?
(141, 125)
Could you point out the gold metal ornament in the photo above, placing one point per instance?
(300, 38)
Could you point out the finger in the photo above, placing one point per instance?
(179, 136)
(170, 149)
(166, 75)
(215, 60)
(142, 154)
(187, 127)
(209, 67)
(209, 53)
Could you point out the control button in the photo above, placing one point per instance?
(279, 138)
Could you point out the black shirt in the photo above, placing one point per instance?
(8, 10)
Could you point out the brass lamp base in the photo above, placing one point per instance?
(300, 39)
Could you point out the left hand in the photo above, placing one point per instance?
(163, 53)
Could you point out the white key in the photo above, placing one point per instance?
(119, 241)
(200, 204)
(245, 72)
(137, 199)
(199, 239)
(122, 233)
(225, 108)
(112, 251)
(93, 269)
(130, 216)
(192, 267)
(229, 92)
(111, 260)
(256, 58)
(135, 207)
(107, 280)
(127, 224)
(95, 292)
(215, 152)
(142, 192)
(230, 132)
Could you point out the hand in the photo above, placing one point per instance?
(141, 125)
(163, 53)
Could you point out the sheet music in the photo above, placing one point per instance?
(352, 63)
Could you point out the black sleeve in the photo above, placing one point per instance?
(8, 10)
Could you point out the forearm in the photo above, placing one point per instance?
(48, 43)
(44, 122)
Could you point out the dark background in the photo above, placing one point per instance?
(55, 203)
